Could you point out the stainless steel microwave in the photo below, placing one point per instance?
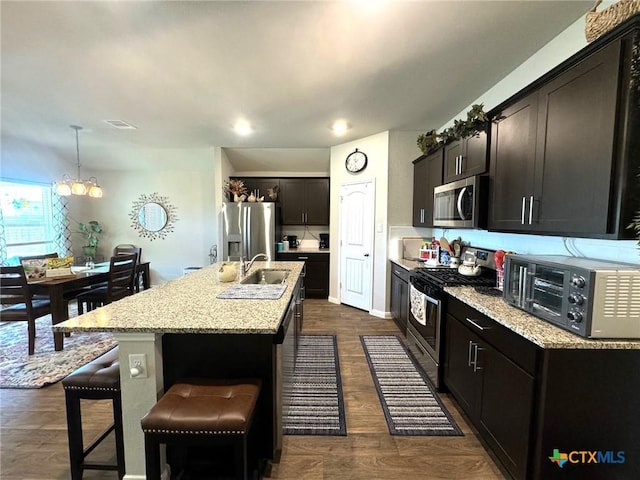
(589, 297)
(461, 204)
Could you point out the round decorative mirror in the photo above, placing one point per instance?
(153, 216)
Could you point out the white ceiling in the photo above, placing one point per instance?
(184, 71)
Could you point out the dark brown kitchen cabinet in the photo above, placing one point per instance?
(427, 174)
(526, 401)
(563, 152)
(496, 393)
(465, 157)
(304, 201)
(399, 301)
(316, 277)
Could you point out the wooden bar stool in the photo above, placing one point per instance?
(97, 380)
(202, 412)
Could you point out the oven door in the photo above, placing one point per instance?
(424, 317)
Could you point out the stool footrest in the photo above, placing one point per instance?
(98, 440)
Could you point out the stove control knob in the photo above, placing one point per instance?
(578, 281)
(575, 316)
(576, 299)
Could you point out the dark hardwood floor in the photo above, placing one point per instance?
(33, 437)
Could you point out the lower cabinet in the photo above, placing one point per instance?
(316, 280)
(496, 393)
(400, 296)
(530, 404)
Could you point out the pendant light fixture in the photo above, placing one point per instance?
(67, 186)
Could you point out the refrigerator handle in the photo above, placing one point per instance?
(245, 213)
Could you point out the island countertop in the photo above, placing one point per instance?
(188, 304)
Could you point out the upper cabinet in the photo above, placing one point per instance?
(465, 157)
(304, 201)
(427, 174)
(563, 153)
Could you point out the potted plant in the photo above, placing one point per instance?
(90, 231)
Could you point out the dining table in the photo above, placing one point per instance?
(59, 290)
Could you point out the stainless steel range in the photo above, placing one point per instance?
(428, 309)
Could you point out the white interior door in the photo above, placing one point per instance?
(357, 202)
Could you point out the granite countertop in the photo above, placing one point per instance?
(538, 331)
(188, 304)
(406, 263)
(306, 250)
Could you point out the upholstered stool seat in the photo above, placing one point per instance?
(97, 380)
(202, 412)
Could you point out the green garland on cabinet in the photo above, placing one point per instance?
(473, 125)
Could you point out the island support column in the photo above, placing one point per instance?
(139, 394)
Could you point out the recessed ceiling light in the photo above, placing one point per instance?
(340, 127)
(243, 128)
(121, 125)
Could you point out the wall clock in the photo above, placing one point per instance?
(356, 161)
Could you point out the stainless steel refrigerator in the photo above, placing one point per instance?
(250, 228)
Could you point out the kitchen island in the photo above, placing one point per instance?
(183, 330)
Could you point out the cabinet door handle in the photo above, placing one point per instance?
(473, 322)
(475, 358)
(522, 209)
(303, 258)
(469, 353)
(530, 209)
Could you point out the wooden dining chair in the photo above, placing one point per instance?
(127, 249)
(18, 302)
(122, 271)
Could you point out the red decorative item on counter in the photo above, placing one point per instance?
(498, 257)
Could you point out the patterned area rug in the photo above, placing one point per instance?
(316, 402)
(409, 401)
(18, 369)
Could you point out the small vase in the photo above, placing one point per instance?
(252, 198)
(89, 251)
(238, 199)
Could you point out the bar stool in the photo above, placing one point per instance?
(200, 412)
(97, 380)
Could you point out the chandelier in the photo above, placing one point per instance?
(67, 186)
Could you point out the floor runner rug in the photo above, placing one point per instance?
(18, 369)
(316, 404)
(408, 399)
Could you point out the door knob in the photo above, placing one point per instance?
(366, 254)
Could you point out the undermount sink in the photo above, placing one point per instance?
(266, 276)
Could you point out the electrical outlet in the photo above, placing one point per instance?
(138, 365)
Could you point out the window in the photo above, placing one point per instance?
(27, 220)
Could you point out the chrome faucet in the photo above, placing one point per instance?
(246, 266)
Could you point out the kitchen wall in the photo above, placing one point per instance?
(556, 51)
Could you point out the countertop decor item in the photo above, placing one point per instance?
(227, 272)
(599, 23)
(153, 216)
(67, 186)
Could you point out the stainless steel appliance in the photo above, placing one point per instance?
(461, 204)
(249, 228)
(425, 329)
(589, 297)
